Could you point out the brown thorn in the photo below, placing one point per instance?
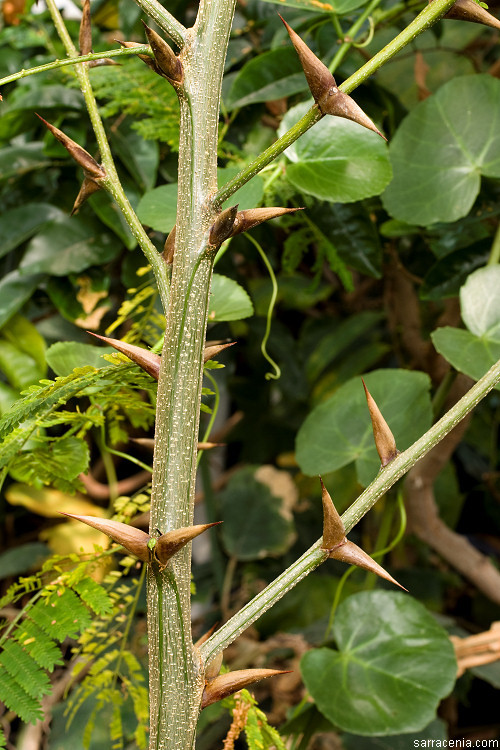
(222, 227)
(468, 10)
(149, 361)
(91, 168)
(134, 540)
(166, 59)
(212, 351)
(252, 217)
(169, 247)
(85, 35)
(171, 542)
(335, 102)
(87, 189)
(353, 555)
(384, 439)
(227, 684)
(333, 526)
(319, 79)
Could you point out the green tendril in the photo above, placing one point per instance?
(277, 372)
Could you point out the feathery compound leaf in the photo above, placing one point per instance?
(61, 615)
(40, 647)
(17, 699)
(24, 670)
(94, 595)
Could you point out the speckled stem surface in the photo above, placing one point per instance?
(176, 679)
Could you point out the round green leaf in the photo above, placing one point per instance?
(393, 665)
(336, 160)
(480, 302)
(20, 223)
(436, 731)
(441, 150)
(69, 246)
(228, 300)
(339, 430)
(268, 526)
(472, 355)
(158, 208)
(15, 289)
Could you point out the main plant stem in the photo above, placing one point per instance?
(176, 676)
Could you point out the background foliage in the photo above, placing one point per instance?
(391, 272)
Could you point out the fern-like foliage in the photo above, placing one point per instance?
(29, 646)
(116, 397)
(115, 680)
(133, 89)
(248, 717)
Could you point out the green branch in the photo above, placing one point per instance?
(144, 49)
(111, 182)
(422, 22)
(383, 482)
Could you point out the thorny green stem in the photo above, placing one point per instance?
(175, 671)
(111, 182)
(423, 21)
(145, 49)
(385, 479)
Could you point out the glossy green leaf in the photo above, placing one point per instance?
(69, 246)
(393, 666)
(268, 526)
(14, 291)
(37, 98)
(337, 160)
(333, 6)
(353, 234)
(8, 396)
(24, 335)
(22, 558)
(470, 354)
(15, 160)
(441, 150)
(139, 156)
(19, 224)
(269, 76)
(158, 207)
(110, 215)
(340, 338)
(19, 368)
(480, 302)
(435, 732)
(64, 356)
(474, 351)
(339, 430)
(445, 277)
(228, 300)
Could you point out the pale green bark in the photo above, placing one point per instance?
(176, 680)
